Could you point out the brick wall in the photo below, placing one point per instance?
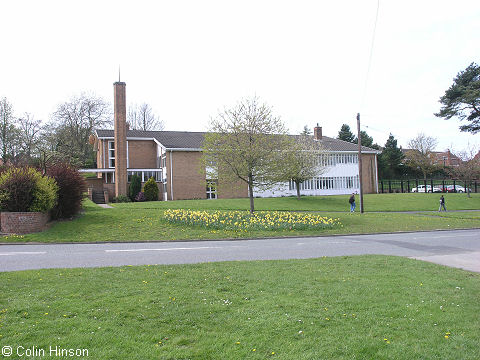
(188, 180)
(110, 188)
(95, 184)
(142, 154)
(231, 191)
(23, 222)
(369, 173)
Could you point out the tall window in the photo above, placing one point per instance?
(211, 189)
(111, 154)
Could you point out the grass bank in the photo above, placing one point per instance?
(146, 222)
(368, 307)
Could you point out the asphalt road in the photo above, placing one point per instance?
(457, 248)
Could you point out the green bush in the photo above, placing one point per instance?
(25, 189)
(150, 189)
(121, 199)
(44, 194)
(135, 187)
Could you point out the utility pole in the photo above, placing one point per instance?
(360, 162)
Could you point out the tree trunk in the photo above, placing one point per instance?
(250, 193)
(297, 184)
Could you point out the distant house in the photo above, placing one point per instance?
(173, 159)
(441, 158)
(446, 158)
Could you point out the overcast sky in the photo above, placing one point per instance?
(190, 59)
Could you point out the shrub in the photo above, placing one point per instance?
(150, 189)
(25, 189)
(135, 187)
(140, 196)
(121, 199)
(72, 188)
(45, 194)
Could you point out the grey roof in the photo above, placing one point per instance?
(332, 144)
(169, 139)
(194, 140)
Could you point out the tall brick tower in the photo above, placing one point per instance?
(120, 138)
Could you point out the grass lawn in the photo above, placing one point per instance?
(372, 202)
(368, 307)
(145, 221)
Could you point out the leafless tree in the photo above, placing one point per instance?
(29, 131)
(142, 117)
(74, 121)
(420, 154)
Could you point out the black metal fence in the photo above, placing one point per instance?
(430, 185)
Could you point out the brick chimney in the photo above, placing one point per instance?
(120, 138)
(317, 132)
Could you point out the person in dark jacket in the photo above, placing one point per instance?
(352, 203)
(442, 204)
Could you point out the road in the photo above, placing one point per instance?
(457, 248)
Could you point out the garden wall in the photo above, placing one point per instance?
(23, 222)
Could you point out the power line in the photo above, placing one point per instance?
(370, 57)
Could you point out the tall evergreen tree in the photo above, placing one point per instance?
(462, 99)
(346, 134)
(390, 160)
(366, 139)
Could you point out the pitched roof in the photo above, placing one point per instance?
(193, 140)
(169, 139)
(332, 144)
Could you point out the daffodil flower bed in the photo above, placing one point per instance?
(243, 220)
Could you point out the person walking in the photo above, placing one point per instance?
(442, 204)
(352, 203)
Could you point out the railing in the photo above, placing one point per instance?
(431, 185)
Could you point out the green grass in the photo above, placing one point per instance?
(372, 202)
(368, 307)
(145, 221)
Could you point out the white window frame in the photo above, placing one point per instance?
(212, 191)
(110, 157)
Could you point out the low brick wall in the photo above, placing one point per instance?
(23, 222)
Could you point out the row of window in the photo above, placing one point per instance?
(329, 182)
(145, 175)
(334, 159)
